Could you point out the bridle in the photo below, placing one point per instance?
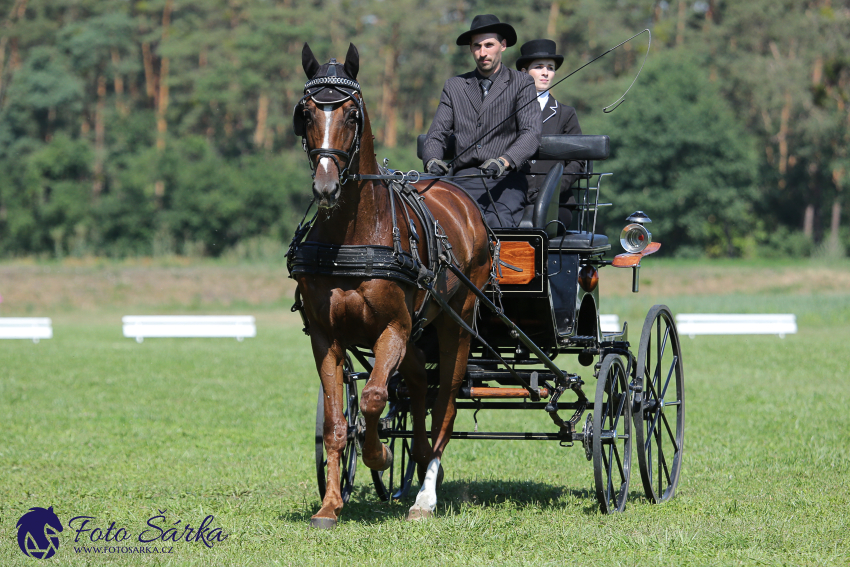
(348, 89)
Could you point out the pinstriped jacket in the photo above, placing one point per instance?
(463, 113)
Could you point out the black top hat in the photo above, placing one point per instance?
(488, 23)
(538, 49)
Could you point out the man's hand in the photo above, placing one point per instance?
(437, 167)
(495, 167)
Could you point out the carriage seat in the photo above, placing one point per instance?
(581, 242)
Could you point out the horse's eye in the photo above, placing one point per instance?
(352, 116)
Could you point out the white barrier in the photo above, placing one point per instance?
(610, 323)
(34, 328)
(692, 324)
(140, 327)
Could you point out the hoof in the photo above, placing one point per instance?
(416, 514)
(378, 465)
(322, 523)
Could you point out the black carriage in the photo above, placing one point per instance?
(547, 307)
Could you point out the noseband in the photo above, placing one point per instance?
(349, 89)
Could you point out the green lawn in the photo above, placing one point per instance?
(98, 425)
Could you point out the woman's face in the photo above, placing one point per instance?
(543, 73)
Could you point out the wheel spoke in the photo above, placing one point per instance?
(619, 464)
(649, 460)
(619, 413)
(662, 463)
(662, 346)
(669, 375)
(670, 433)
(653, 427)
(609, 467)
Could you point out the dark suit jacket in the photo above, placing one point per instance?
(556, 119)
(463, 113)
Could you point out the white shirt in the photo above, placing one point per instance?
(543, 98)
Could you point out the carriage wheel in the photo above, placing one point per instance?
(612, 432)
(348, 459)
(659, 406)
(394, 483)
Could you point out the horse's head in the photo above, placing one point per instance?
(330, 120)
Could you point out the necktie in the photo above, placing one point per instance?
(485, 86)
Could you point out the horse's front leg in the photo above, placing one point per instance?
(389, 351)
(329, 359)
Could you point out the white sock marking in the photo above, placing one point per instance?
(427, 497)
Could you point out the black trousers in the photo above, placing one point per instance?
(509, 196)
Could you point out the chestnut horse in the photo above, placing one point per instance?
(344, 311)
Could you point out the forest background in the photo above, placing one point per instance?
(161, 127)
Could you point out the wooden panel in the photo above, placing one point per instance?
(505, 393)
(632, 260)
(521, 255)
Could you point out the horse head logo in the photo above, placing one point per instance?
(38, 533)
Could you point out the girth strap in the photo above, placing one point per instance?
(366, 261)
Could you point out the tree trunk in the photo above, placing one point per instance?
(99, 137)
(418, 121)
(553, 19)
(118, 84)
(16, 13)
(147, 61)
(390, 93)
(162, 95)
(262, 118)
(162, 98)
(680, 25)
(809, 221)
(835, 223)
(785, 118)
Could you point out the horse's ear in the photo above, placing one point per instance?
(352, 61)
(309, 62)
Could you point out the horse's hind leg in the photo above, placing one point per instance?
(389, 350)
(454, 350)
(413, 370)
(329, 360)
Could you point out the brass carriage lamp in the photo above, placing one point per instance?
(637, 242)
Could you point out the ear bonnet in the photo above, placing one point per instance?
(331, 83)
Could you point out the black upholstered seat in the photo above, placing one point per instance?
(579, 241)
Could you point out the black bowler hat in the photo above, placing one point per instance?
(538, 49)
(488, 23)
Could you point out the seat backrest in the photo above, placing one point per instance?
(546, 205)
(555, 147)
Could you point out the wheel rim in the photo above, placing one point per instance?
(348, 459)
(612, 431)
(395, 482)
(659, 408)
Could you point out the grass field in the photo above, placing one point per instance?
(98, 425)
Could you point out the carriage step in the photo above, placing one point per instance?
(489, 393)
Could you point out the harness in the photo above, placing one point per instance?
(385, 262)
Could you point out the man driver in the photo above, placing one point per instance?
(492, 97)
